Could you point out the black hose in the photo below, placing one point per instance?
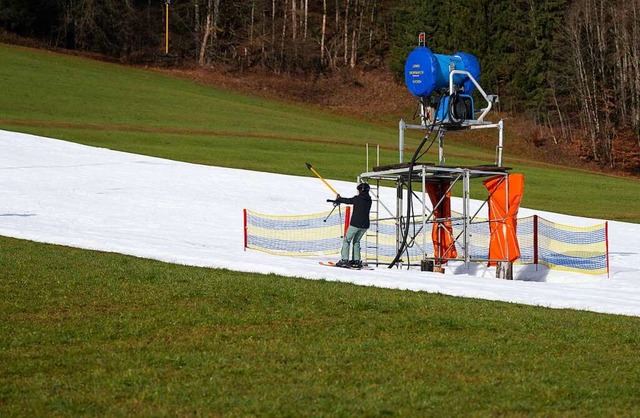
(412, 164)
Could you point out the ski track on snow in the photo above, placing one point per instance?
(60, 192)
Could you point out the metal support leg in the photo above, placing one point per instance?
(465, 216)
(441, 134)
(401, 127)
(500, 143)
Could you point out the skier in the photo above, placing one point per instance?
(357, 226)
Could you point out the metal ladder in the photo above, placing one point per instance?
(371, 244)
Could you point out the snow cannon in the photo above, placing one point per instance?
(426, 72)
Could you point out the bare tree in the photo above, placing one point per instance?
(583, 37)
(284, 30)
(324, 31)
(306, 18)
(356, 30)
(209, 29)
(603, 38)
(346, 32)
(354, 36)
(371, 24)
(294, 20)
(273, 23)
(253, 8)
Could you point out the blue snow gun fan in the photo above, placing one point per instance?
(453, 78)
(426, 72)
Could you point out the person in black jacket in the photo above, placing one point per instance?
(357, 226)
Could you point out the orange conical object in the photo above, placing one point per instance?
(442, 233)
(504, 200)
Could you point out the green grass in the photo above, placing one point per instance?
(46, 87)
(99, 334)
(90, 333)
(141, 111)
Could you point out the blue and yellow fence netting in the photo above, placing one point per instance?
(296, 235)
(557, 246)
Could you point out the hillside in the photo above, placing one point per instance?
(90, 331)
(377, 97)
(147, 112)
(571, 67)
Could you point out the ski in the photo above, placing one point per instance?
(332, 264)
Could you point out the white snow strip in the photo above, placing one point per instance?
(94, 198)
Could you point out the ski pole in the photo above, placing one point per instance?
(335, 204)
(334, 208)
(320, 177)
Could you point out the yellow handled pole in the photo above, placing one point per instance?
(320, 177)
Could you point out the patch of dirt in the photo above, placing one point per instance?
(367, 95)
(376, 97)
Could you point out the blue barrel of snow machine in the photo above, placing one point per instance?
(426, 72)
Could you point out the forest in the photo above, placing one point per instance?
(570, 66)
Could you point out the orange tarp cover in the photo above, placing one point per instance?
(442, 232)
(503, 212)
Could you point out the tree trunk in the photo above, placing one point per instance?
(346, 33)
(371, 24)
(294, 19)
(284, 31)
(216, 18)
(355, 34)
(337, 31)
(253, 7)
(273, 25)
(197, 28)
(324, 31)
(306, 17)
(205, 35)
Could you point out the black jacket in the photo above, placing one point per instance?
(361, 207)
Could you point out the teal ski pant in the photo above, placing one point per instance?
(354, 235)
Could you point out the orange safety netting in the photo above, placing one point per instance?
(505, 195)
(442, 232)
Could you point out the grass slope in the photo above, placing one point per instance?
(140, 111)
(90, 333)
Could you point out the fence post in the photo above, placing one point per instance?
(244, 215)
(535, 240)
(606, 239)
(347, 219)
